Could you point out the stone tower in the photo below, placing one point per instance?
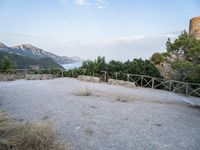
(195, 27)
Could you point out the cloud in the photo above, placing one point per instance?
(99, 4)
(118, 48)
(23, 35)
(82, 2)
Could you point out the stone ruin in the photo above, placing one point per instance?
(89, 78)
(121, 83)
(38, 76)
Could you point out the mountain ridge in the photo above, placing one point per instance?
(29, 50)
(23, 62)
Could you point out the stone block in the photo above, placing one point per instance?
(89, 78)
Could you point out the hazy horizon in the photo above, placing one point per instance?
(91, 28)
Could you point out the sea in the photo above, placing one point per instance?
(72, 65)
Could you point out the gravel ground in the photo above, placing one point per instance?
(109, 117)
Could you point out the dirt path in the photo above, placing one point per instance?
(109, 117)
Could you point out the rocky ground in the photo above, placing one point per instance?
(97, 116)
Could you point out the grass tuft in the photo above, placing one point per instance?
(85, 92)
(28, 136)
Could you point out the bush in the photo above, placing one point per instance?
(136, 66)
(157, 58)
(28, 136)
(6, 64)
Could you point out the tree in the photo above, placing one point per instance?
(7, 64)
(115, 66)
(157, 58)
(180, 46)
(97, 65)
(193, 53)
(195, 77)
(184, 70)
(136, 66)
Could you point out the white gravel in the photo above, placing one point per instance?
(151, 120)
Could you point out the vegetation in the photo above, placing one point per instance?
(157, 58)
(6, 64)
(85, 92)
(186, 65)
(136, 66)
(28, 136)
(23, 62)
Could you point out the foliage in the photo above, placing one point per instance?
(157, 58)
(184, 70)
(136, 66)
(180, 46)
(97, 65)
(23, 62)
(6, 64)
(28, 136)
(187, 52)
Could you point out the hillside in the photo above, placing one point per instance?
(181, 60)
(27, 62)
(34, 52)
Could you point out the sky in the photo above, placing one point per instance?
(116, 29)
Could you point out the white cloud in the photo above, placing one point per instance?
(118, 48)
(11, 34)
(99, 4)
(82, 2)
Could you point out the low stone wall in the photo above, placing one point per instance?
(121, 83)
(89, 78)
(38, 76)
(7, 77)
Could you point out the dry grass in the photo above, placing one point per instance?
(85, 92)
(28, 136)
(123, 98)
(89, 131)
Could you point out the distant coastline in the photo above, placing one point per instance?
(72, 65)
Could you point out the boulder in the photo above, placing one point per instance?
(115, 82)
(7, 77)
(121, 83)
(39, 76)
(129, 84)
(89, 78)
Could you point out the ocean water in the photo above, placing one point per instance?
(72, 65)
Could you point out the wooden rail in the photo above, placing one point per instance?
(190, 89)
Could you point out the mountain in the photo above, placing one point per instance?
(34, 52)
(23, 62)
(3, 45)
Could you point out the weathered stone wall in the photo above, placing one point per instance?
(38, 76)
(121, 83)
(195, 27)
(89, 78)
(7, 77)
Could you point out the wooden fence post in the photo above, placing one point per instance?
(116, 75)
(186, 88)
(62, 73)
(72, 74)
(153, 80)
(128, 77)
(84, 71)
(170, 85)
(105, 76)
(141, 81)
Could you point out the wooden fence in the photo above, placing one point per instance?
(189, 89)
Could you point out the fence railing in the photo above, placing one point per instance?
(190, 89)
